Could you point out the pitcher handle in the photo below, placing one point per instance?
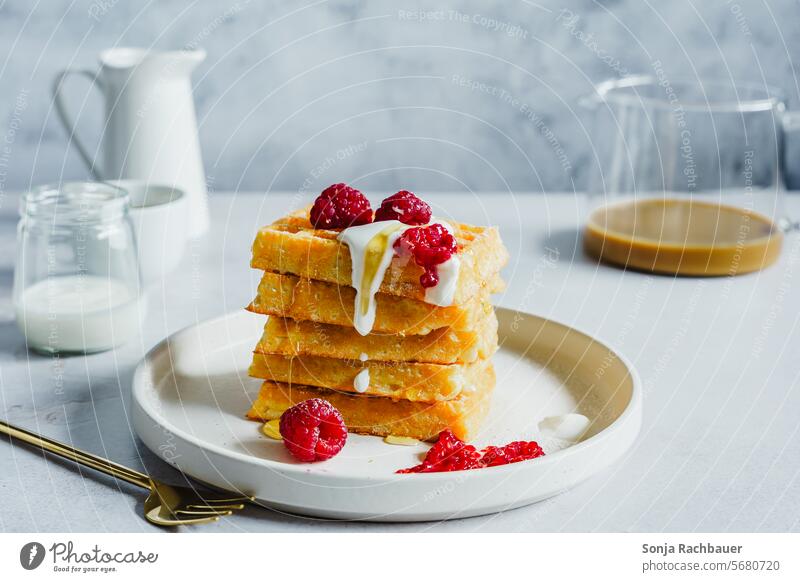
(66, 119)
(790, 124)
(791, 121)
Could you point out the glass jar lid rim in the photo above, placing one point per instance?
(85, 201)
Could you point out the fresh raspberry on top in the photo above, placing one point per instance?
(405, 207)
(511, 453)
(449, 453)
(340, 206)
(313, 430)
(430, 246)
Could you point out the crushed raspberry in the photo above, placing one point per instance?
(405, 207)
(428, 279)
(511, 453)
(430, 246)
(340, 206)
(450, 453)
(313, 430)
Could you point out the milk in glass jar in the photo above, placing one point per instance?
(76, 281)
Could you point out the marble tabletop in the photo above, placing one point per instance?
(719, 358)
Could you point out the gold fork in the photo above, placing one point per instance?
(167, 505)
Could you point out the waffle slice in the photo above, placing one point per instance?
(305, 299)
(291, 245)
(397, 380)
(379, 416)
(290, 337)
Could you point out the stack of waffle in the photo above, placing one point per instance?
(421, 369)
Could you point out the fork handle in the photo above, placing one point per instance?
(81, 457)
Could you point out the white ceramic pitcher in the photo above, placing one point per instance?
(150, 129)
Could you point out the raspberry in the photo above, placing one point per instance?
(448, 454)
(313, 430)
(340, 206)
(428, 279)
(430, 246)
(405, 207)
(452, 454)
(511, 453)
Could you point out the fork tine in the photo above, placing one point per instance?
(203, 501)
(216, 506)
(180, 521)
(204, 512)
(240, 499)
(194, 521)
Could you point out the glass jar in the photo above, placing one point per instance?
(76, 281)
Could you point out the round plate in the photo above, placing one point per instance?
(191, 392)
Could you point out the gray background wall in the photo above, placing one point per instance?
(296, 95)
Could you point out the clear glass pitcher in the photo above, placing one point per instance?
(686, 177)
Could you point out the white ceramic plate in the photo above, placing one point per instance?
(191, 392)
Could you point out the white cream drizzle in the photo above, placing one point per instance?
(443, 293)
(361, 381)
(569, 427)
(376, 238)
(371, 252)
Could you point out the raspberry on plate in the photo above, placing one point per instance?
(511, 453)
(313, 430)
(340, 206)
(405, 207)
(430, 246)
(449, 453)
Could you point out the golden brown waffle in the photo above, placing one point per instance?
(397, 380)
(292, 245)
(305, 299)
(290, 337)
(382, 416)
